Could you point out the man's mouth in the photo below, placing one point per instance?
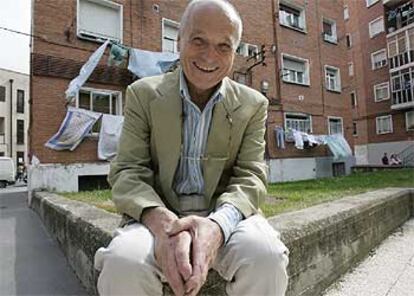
(205, 69)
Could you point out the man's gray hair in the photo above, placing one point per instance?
(228, 9)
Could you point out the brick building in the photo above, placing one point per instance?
(303, 71)
(14, 115)
(381, 48)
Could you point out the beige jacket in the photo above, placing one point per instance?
(234, 172)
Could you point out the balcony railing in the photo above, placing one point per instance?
(402, 99)
(401, 59)
(400, 17)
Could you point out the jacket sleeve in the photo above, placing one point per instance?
(131, 174)
(247, 185)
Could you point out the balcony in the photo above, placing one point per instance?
(398, 16)
(402, 99)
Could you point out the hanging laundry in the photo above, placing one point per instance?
(297, 136)
(85, 72)
(77, 124)
(338, 146)
(280, 137)
(148, 63)
(111, 127)
(118, 55)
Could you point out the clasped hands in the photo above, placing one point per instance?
(185, 248)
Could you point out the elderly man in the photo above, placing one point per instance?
(190, 174)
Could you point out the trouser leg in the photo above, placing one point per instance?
(127, 265)
(254, 260)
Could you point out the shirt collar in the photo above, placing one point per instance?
(185, 94)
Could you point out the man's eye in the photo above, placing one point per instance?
(225, 47)
(198, 41)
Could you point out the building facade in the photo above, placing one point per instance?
(381, 35)
(293, 51)
(14, 115)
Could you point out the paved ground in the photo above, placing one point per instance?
(31, 262)
(388, 272)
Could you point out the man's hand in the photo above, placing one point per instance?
(206, 240)
(172, 252)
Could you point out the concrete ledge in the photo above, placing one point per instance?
(324, 240)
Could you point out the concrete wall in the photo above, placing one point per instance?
(324, 240)
(62, 178)
(294, 169)
(372, 153)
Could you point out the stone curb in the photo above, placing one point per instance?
(324, 240)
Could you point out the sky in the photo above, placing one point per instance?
(14, 48)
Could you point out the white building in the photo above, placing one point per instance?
(14, 114)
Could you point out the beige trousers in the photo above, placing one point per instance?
(253, 262)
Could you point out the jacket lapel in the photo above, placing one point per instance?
(219, 138)
(166, 116)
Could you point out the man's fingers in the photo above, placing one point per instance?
(180, 225)
(172, 274)
(182, 255)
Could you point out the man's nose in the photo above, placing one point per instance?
(210, 53)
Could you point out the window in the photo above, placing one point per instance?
(299, 122)
(2, 94)
(371, 2)
(292, 17)
(248, 50)
(335, 125)
(104, 101)
(384, 124)
(2, 128)
(20, 131)
(409, 120)
(329, 31)
(243, 78)
(351, 69)
(402, 86)
(295, 70)
(19, 157)
(346, 12)
(170, 35)
(20, 101)
(332, 78)
(378, 59)
(99, 20)
(382, 91)
(376, 27)
(348, 40)
(354, 102)
(354, 128)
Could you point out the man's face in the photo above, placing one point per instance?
(206, 48)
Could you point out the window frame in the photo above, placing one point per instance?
(382, 85)
(96, 37)
(330, 38)
(172, 23)
(348, 39)
(298, 114)
(346, 12)
(382, 64)
(372, 34)
(306, 75)
(118, 104)
(353, 99)
(20, 140)
(243, 49)
(20, 105)
(335, 118)
(355, 128)
(377, 127)
(406, 121)
(338, 83)
(351, 71)
(4, 91)
(369, 4)
(302, 17)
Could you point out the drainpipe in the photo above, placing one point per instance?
(11, 118)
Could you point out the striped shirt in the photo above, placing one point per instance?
(189, 178)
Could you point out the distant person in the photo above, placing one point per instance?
(385, 159)
(395, 160)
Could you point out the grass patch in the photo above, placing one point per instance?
(289, 196)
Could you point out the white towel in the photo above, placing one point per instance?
(111, 127)
(145, 63)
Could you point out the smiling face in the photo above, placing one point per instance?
(207, 48)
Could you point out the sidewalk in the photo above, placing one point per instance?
(389, 271)
(31, 262)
